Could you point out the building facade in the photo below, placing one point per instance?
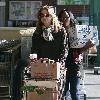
(18, 13)
(2, 13)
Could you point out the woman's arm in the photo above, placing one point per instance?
(88, 45)
(35, 43)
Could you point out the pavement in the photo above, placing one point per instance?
(92, 84)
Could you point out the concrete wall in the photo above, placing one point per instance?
(9, 33)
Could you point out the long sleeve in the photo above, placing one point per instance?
(64, 44)
(35, 44)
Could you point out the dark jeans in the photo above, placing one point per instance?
(73, 85)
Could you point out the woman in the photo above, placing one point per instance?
(48, 38)
(73, 61)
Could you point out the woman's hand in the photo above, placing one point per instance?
(88, 45)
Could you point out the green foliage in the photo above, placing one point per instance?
(36, 89)
(29, 88)
(39, 91)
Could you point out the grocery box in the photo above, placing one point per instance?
(35, 96)
(47, 95)
(49, 90)
(79, 35)
(45, 69)
(94, 31)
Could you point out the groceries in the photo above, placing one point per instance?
(45, 69)
(45, 90)
(46, 77)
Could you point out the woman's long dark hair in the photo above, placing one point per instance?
(70, 14)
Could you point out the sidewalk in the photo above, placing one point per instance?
(92, 85)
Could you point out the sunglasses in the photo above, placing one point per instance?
(64, 18)
(44, 15)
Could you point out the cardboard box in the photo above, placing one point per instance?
(94, 31)
(35, 96)
(45, 69)
(48, 95)
(79, 35)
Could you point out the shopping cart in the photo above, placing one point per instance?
(8, 58)
(54, 77)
